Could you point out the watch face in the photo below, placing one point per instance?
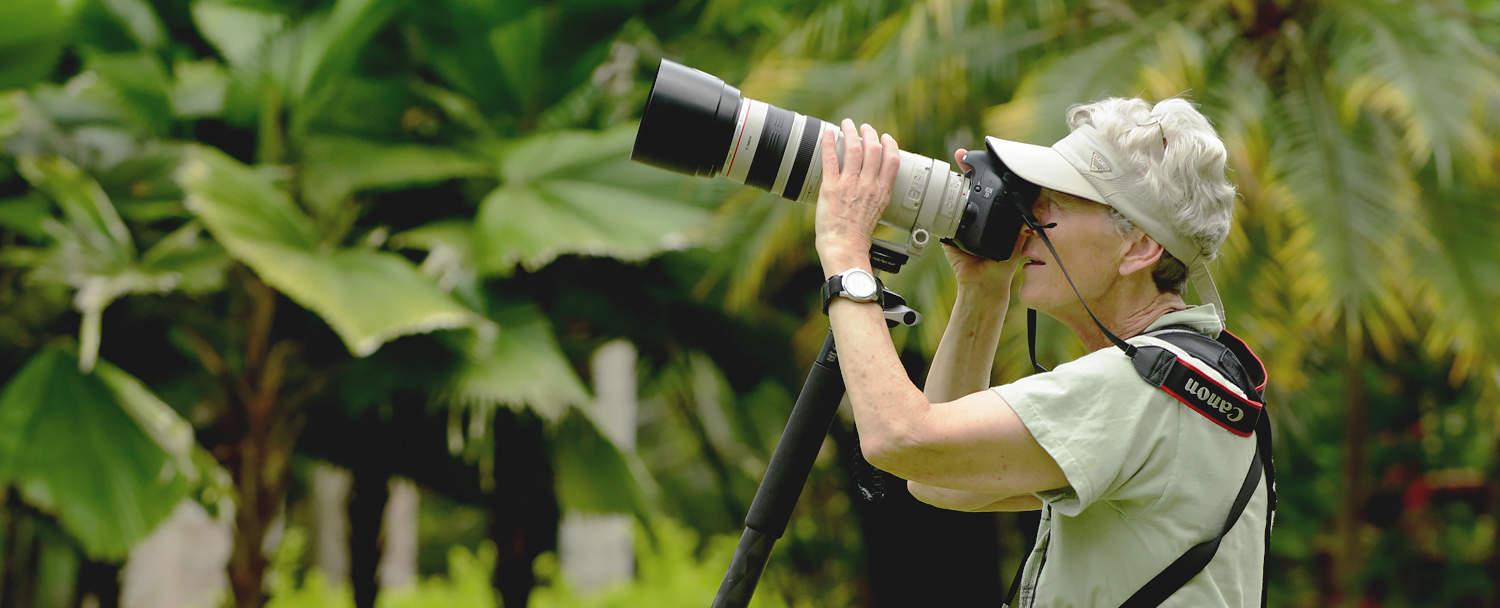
(859, 284)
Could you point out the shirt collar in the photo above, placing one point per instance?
(1203, 318)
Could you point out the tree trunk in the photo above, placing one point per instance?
(247, 563)
(596, 550)
(1356, 440)
(259, 488)
(523, 504)
(330, 498)
(182, 562)
(262, 427)
(398, 547)
(367, 500)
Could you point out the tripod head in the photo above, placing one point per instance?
(887, 257)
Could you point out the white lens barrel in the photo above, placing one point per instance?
(747, 134)
(778, 150)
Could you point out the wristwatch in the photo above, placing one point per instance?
(855, 284)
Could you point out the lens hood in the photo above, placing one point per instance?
(688, 122)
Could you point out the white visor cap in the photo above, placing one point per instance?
(1083, 165)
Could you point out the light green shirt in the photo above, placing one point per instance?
(1148, 477)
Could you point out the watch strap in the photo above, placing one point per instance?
(830, 288)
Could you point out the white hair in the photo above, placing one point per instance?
(1177, 154)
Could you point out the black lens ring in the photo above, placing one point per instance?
(811, 129)
(770, 148)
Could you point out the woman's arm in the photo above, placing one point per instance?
(963, 500)
(974, 442)
(966, 353)
(1015, 503)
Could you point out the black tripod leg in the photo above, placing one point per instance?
(785, 475)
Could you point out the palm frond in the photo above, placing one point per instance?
(97, 450)
(522, 366)
(576, 192)
(1424, 71)
(1455, 246)
(1108, 66)
(1342, 183)
(368, 297)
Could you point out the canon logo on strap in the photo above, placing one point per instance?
(1231, 411)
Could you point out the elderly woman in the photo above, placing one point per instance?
(1135, 201)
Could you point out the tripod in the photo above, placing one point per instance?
(798, 447)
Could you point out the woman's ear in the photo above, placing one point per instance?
(1141, 253)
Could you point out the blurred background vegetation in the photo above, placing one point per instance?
(360, 302)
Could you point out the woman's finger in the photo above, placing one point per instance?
(853, 157)
(830, 157)
(890, 163)
(958, 155)
(870, 168)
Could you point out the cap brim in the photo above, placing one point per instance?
(1044, 167)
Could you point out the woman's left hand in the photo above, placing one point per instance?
(852, 199)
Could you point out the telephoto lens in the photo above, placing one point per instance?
(696, 124)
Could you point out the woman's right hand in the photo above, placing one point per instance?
(973, 271)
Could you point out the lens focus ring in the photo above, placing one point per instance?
(810, 133)
(773, 138)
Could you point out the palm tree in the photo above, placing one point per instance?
(269, 219)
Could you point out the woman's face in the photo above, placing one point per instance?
(1085, 237)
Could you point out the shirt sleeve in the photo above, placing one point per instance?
(1094, 417)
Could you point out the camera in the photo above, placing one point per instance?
(696, 124)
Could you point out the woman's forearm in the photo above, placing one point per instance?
(966, 353)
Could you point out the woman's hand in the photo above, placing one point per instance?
(852, 199)
(974, 271)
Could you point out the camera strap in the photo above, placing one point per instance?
(1240, 416)
(1192, 387)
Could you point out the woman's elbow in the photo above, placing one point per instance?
(891, 451)
(894, 446)
(926, 495)
(953, 500)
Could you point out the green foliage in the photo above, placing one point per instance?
(92, 250)
(97, 450)
(369, 297)
(594, 475)
(467, 584)
(680, 569)
(576, 192)
(32, 35)
(522, 366)
(337, 167)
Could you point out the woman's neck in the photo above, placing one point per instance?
(1125, 316)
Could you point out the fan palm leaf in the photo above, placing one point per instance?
(97, 449)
